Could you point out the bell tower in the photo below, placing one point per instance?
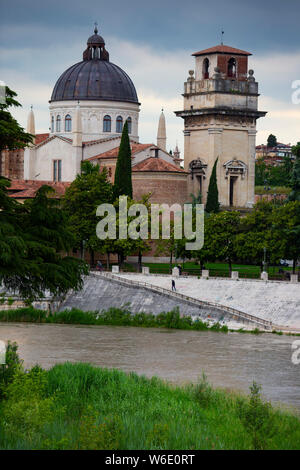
(220, 113)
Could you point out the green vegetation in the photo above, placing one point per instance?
(78, 406)
(12, 135)
(272, 141)
(113, 316)
(261, 190)
(295, 178)
(212, 203)
(123, 178)
(34, 238)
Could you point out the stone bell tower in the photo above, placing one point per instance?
(220, 113)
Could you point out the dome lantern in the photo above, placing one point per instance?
(95, 47)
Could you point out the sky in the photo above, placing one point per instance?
(153, 42)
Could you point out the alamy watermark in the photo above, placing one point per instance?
(296, 93)
(139, 221)
(2, 92)
(296, 354)
(2, 352)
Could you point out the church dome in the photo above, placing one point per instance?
(94, 78)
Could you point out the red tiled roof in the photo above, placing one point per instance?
(22, 189)
(223, 49)
(156, 164)
(113, 153)
(39, 138)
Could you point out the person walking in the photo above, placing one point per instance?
(173, 285)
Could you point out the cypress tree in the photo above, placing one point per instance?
(212, 203)
(295, 180)
(123, 180)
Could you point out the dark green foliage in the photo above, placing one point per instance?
(272, 141)
(89, 190)
(123, 179)
(33, 239)
(295, 178)
(12, 135)
(258, 418)
(212, 203)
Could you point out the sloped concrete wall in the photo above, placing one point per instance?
(100, 294)
(278, 302)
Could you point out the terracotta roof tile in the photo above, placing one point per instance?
(39, 138)
(223, 49)
(113, 153)
(22, 189)
(156, 164)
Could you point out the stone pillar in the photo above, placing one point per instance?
(235, 275)
(77, 155)
(175, 272)
(205, 274)
(145, 270)
(264, 276)
(115, 269)
(251, 167)
(294, 278)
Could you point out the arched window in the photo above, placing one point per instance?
(52, 124)
(107, 123)
(58, 121)
(231, 72)
(206, 68)
(119, 124)
(68, 123)
(129, 123)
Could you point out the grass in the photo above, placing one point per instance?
(216, 269)
(113, 316)
(78, 406)
(273, 190)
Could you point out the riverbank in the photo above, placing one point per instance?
(122, 317)
(78, 406)
(113, 316)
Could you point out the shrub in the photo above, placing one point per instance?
(12, 364)
(95, 435)
(257, 418)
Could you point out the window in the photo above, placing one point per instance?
(58, 121)
(119, 124)
(206, 68)
(231, 72)
(107, 124)
(56, 170)
(129, 123)
(68, 123)
(52, 124)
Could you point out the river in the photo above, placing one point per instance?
(231, 361)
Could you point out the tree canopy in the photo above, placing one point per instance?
(123, 178)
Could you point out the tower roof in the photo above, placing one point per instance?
(223, 49)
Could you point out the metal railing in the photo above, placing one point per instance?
(203, 303)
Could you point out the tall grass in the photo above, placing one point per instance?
(83, 407)
(113, 316)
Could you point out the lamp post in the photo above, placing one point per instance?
(264, 261)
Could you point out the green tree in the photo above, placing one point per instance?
(221, 233)
(90, 189)
(212, 203)
(295, 179)
(34, 238)
(272, 141)
(12, 135)
(123, 179)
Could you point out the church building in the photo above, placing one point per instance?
(93, 99)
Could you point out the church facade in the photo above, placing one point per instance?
(93, 99)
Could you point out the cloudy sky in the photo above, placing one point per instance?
(153, 42)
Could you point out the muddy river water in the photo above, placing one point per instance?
(231, 361)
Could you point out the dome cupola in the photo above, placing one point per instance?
(95, 77)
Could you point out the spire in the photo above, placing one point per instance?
(30, 123)
(161, 132)
(77, 128)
